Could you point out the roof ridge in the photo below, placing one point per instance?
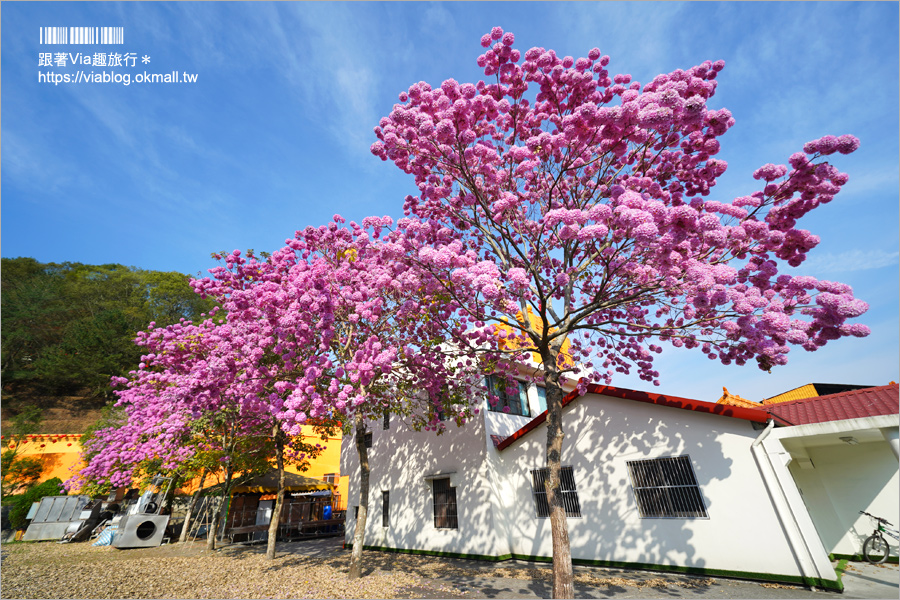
(867, 390)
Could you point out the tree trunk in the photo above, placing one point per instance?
(563, 574)
(360, 532)
(278, 434)
(222, 514)
(190, 508)
(170, 493)
(211, 530)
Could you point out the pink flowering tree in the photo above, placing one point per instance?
(584, 196)
(276, 321)
(187, 401)
(354, 329)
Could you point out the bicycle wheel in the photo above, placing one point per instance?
(875, 548)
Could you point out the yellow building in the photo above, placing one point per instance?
(60, 455)
(735, 400)
(812, 390)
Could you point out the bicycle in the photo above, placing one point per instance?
(875, 548)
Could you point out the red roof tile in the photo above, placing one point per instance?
(855, 404)
(725, 410)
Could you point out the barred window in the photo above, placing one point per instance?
(514, 404)
(444, 504)
(567, 486)
(385, 508)
(666, 488)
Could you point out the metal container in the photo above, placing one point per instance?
(53, 517)
(141, 531)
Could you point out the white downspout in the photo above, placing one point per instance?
(891, 435)
(783, 508)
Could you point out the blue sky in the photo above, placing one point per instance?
(275, 133)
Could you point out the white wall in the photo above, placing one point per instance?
(496, 509)
(742, 532)
(845, 480)
(400, 459)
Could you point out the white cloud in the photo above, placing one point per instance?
(851, 260)
(328, 58)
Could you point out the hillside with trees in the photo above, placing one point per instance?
(67, 328)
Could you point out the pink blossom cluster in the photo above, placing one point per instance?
(336, 323)
(557, 186)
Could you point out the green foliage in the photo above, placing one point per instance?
(68, 328)
(20, 473)
(19, 510)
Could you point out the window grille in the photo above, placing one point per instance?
(444, 504)
(517, 404)
(385, 508)
(539, 477)
(666, 488)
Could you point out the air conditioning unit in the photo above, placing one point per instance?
(140, 531)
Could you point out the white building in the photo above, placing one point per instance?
(650, 482)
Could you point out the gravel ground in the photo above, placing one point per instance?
(308, 569)
(51, 570)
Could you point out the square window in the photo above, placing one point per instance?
(567, 486)
(513, 404)
(666, 488)
(444, 504)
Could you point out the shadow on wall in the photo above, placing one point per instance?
(601, 437)
(407, 465)
(418, 464)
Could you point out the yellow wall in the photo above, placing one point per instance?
(800, 393)
(327, 462)
(60, 454)
(61, 457)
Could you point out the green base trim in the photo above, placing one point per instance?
(840, 568)
(827, 584)
(484, 557)
(860, 558)
(752, 575)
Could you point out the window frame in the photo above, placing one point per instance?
(568, 488)
(450, 518)
(656, 497)
(492, 385)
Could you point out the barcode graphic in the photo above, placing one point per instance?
(82, 35)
